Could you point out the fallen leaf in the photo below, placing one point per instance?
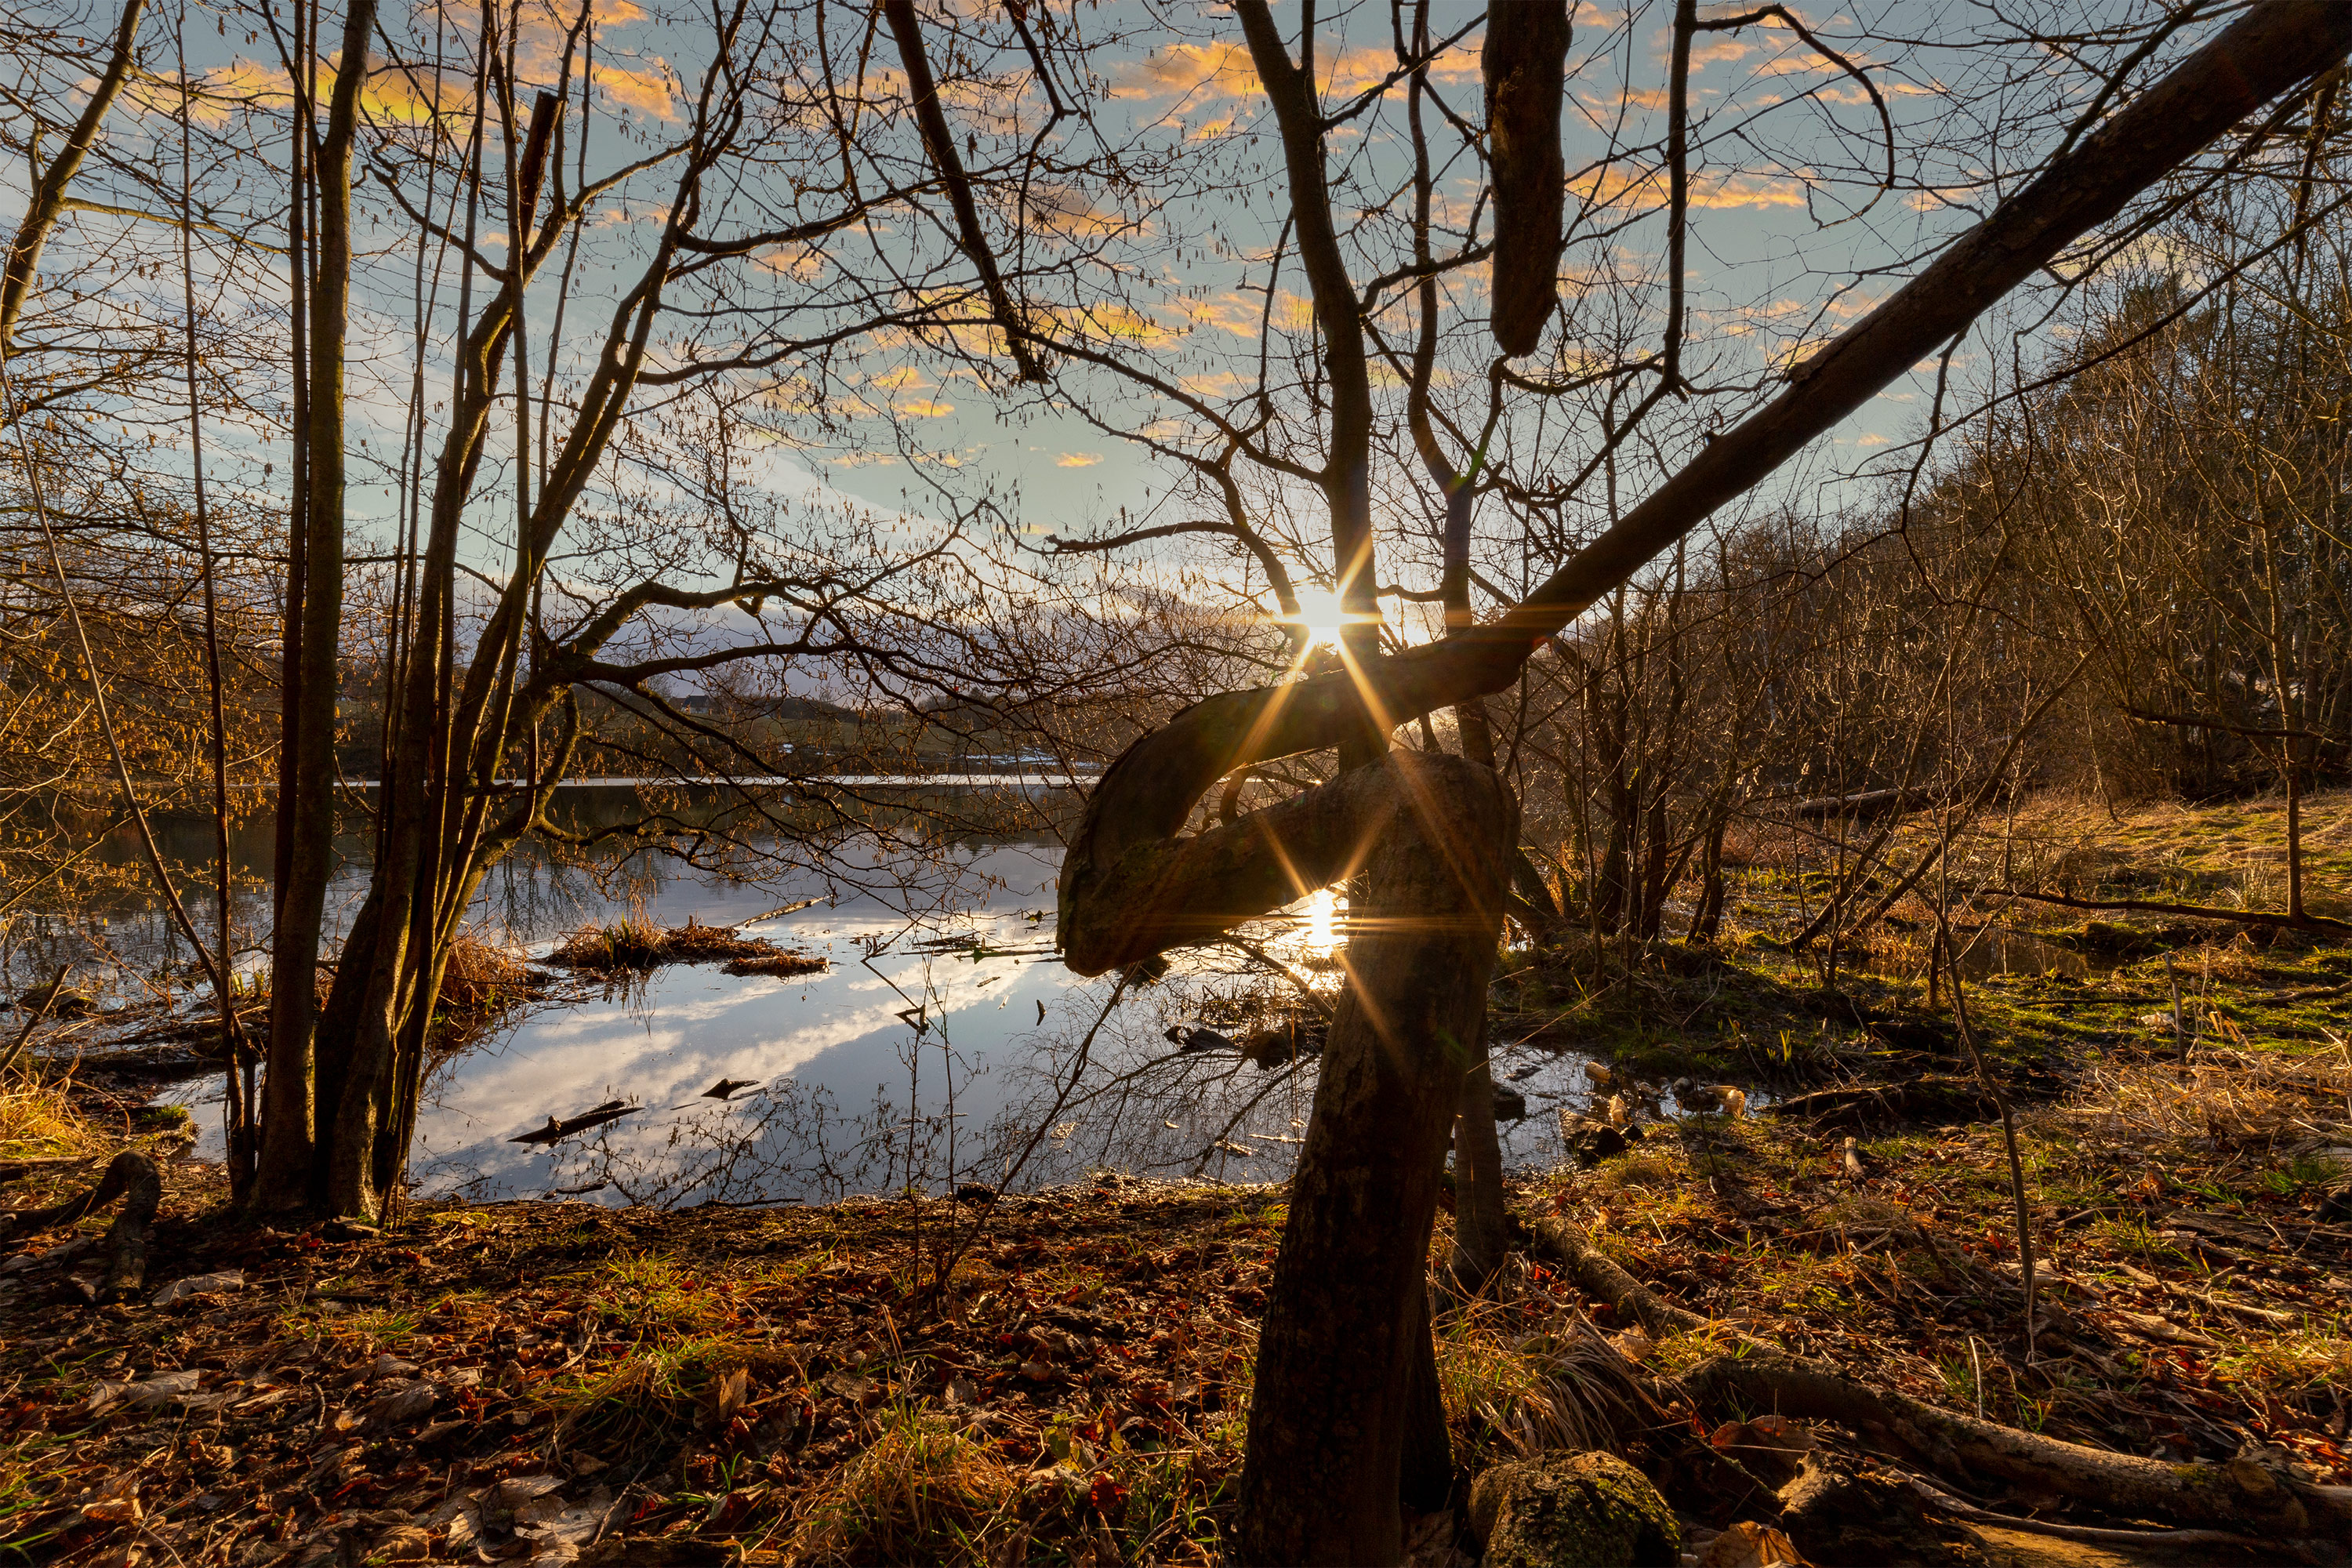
(734, 1387)
(510, 1495)
(403, 1402)
(115, 1500)
(163, 1388)
(1748, 1545)
(199, 1285)
(404, 1543)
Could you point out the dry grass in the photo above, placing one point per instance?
(36, 1122)
(921, 1492)
(780, 964)
(1509, 1384)
(624, 944)
(2217, 1096)
(633, 944)
(481, 979)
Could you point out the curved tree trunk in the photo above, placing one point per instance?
(1321, 1482)
(1348, 1314)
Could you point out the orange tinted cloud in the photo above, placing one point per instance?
(649, 92)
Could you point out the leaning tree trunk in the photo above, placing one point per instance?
(1338, 1386)
(1322, 1474)
(1328, 1423)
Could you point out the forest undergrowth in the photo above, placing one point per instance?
(1064, 1377)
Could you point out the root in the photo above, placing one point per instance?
(1603, 1280)
(2243, 1493)
(133, 1178)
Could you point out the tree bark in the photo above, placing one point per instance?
(1481, 1226)
(1525, 60)
(285, 1180)
(1328, 1423)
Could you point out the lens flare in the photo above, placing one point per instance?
(1319, 611)
(1323, 923)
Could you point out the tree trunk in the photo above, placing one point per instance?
(1425, 1466)
(1346, 1322)
(1481, 1230)
(285, 1180)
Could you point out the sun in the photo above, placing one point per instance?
(1319, 610)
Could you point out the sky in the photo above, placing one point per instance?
(1793, 233)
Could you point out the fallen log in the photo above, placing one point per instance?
(1600, 1278)
(2241, 1494)
(611, 1110)
(2169, 1542)
(2244, 1493)
(133, 1178)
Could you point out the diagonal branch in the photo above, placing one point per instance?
(1150, 791)
(939, 142)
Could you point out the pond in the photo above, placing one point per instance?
(943, 1044)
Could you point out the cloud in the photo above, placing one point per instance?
(1224, 68)
(925, 408)
(647, 91)
(1614, 185)
(1231, 311)
(1873, 440)
(1069, 212)
(1078, 459)
(1185, 69)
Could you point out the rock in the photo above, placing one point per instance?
(199, 1285)
(1837, 1518)
(68, 1004)
(1571, 1511)
(1589, 1142)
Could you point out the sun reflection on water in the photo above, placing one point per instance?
(1323, 917)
